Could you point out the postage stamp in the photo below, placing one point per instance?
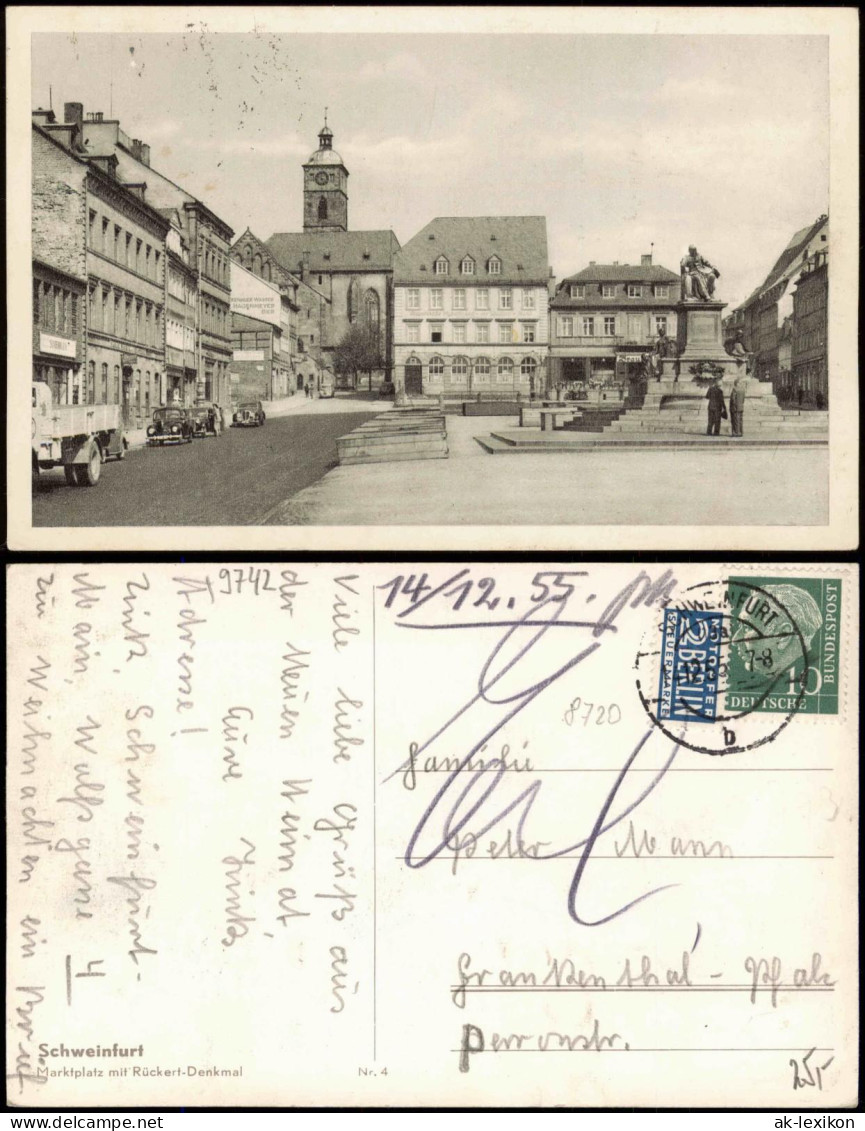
(731, 661)
(763, 644)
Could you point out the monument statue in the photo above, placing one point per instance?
(736, 349)
(662, 347)
(698, 277)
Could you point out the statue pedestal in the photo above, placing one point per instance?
(700, 335)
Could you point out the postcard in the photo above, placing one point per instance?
(447, 834)
(350, 278)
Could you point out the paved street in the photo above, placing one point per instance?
(235, 479)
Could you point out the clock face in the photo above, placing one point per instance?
(321, 178)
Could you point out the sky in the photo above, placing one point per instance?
(621, 141)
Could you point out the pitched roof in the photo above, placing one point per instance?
(788, 257)
(520, 242)
(335, 251)
(622, 273)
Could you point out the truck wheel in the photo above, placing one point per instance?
(87, 474)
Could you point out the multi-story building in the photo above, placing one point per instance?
(761, 316)
(304, 312)
(58, 331)
(181, 315)
(353, 270)
(97, 225)
(605, 319)
(470, 307)
(261, 331)
(809, 358)
(207, 237)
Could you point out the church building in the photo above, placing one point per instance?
(354, 270)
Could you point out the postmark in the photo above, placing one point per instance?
(730, 663)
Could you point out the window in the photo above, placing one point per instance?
(129, 262)
(104, 391)
(506, 333)
(157, 259)
(506, 370)
(482, 298)
(588, 327)
(482, 332)
(91, 229)
(494, 266)
(148, 265)
(528, 367)
(127, 322)
(436, 368)
(118, 314)
(529, 332)
(528, 299)
(139, 263)
(322, 208)
(372, 308)
(566, 327)
(482, 369)
(662, 291)
(608, 290)
(436, 300)
(106, 312)
(436, 331)
(460, 369)
(610, 325)
(458, 331)
(412, 298)
(661, 324)
(106, 238)
(506, 299)
(635, 290)
(118, 242)
(459, 298)
(412, 332)
(467, 267)
(442, 267)
(578, 290)
(94, 313)
(91, 383)
(116, 385)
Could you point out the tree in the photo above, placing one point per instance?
(358, 352)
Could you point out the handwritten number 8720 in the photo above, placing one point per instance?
(609, 715)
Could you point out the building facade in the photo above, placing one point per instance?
(208, 239)
(352, 270)
(809, 378)
(605, 319)
(86, 214)
(58, 332)
(761, 318)
(470, 308)
(181, 316)
(304, 313)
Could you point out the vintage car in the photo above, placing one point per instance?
(170, 426)
(325, 386)
(205, 419)
(248, 414)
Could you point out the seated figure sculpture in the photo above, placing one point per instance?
(698, 277)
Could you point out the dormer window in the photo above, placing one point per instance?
(608, 290)
(635, 290)
(442, 267)
(467, 267)
(494, 265)
(578, 290)
(662, 291)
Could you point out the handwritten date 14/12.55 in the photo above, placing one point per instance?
(547, 585)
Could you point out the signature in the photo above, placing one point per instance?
(472, 797)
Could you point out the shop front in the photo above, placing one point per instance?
(55, 362)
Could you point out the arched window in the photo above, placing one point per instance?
(353, 300)
(372, 308)
(436, 368)
(322, 208)
(442, 267)
(506, 370)
(247, 254)
(528, 368)
(482, 368)
(266, 271)
(413, 360)
(467, 267)
(460, 370)
(256, 264)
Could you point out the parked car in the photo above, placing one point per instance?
(325, 386)
(249, 414)
(204, 420)
(170, 426)
(386, 389)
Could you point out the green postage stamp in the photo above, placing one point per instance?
(784, 643)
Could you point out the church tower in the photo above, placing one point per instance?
(325, 188)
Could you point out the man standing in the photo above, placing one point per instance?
(737, 405)
(717, 408)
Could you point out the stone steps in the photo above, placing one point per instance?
(521, 443)
(401, 434)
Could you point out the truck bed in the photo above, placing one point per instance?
(81, 419)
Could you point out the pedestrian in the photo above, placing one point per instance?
(308, 389)
(737, 406)
(717, 408)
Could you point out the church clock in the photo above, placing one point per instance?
(325, 196)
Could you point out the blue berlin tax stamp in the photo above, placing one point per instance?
(690, 663)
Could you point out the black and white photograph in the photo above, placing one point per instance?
(291, 282)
